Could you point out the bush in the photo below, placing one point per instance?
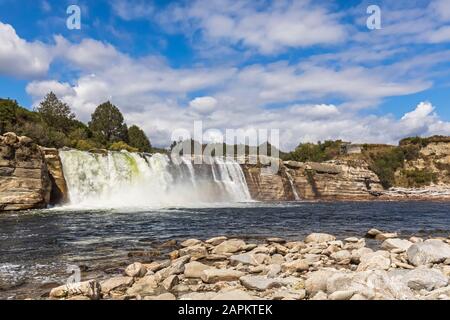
(419, 178)
(120, 145)
(319, 152)
(86, 145)
(411, 151)
(385, 163)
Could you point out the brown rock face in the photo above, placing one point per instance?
(59, 193)
(24, 179)
(333, 180)
(265, 185)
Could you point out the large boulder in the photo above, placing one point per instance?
(317, 281)
(377, 285)
(24, 178)
(146, 286)
(229, 246)
(244, 258)
(295, 266)
(424, 278)
(136, 269)
(429, 251)
(194, 269)
(396, 244)
(116, 284)
(90, 289)
(379, 260)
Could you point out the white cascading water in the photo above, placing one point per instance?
(124, 179)
(291, 182)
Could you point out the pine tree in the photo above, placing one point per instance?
(107, 124)
(138, 139)
(55, 113)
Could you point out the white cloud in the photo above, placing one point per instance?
(41, 88)
(320, 111)
(268, 28)
(203, 105)
(291, 96)
(440, 35)
(129, 10)
(441, 8)
(20, 58)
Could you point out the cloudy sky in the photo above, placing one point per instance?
(311, 69)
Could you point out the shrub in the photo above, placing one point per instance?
(418, 177)
(120, 145)
(86, 145)
(385, 163)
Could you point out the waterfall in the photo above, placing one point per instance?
(124, 179)
(291, 182)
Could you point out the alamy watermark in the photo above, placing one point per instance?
(75, 275)
(246, 146)
(73, 21)
(374, 20)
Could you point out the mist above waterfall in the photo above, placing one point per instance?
(124, 179)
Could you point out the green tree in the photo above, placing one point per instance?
(138, 139)
(107, 124)
(8, 110)
(55, 113)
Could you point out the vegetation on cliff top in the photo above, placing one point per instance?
(385, 160)
(53, 124)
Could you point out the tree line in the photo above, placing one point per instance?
(53, 124)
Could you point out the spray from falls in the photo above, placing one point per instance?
(124, 179)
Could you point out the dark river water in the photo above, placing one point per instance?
(37, 247)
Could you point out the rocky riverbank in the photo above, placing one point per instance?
(320, 267)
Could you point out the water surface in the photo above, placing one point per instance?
(37, 247)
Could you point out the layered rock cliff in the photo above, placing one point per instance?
(433, 158)
(333, 180)
(30, 176)
(59, 193)
(24, 179)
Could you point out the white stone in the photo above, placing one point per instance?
(116, 284)
(378, 260)
(295, 266)
(190, 242)
(244, 258)
(229, 246)
(215, 275)
(395, 243)
(424, 278)
(259, 283)
(341, 295)
(319, 237)
(145, 286)
(317, 281)
(429, 251)
(194, 269)
(136, 269)
(216, 240)
(90, 289)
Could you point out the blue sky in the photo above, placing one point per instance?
(311, 69)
